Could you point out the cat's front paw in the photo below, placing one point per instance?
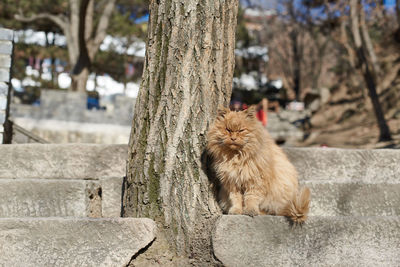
(250, 212)
(235, 211)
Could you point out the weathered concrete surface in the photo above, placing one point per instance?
(46, 198)
(54, 198)
(62, 106)
(6, 46)
(346, 165)
(4, 74)
(73, 242)
(6, 34)
(322, 241)
(359, 199)
(70, 161)
(111, 197)
(61, 132)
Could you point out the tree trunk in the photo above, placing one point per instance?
(369, 78)
(79, 81)
(80, 72)
(368, 44)
(294, 35)
(187, 75)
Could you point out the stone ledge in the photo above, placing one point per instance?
(3, 102)
(353, 199)
(62, 161)
(57, 132)
(4, 88)
(73, 242)
(46, 198)
(321, 241)
(6, 47)
(5, 61)
(60, 197)
(111, 196)
(346, 165)
(2, 116)
(4, 74)
(6, 34)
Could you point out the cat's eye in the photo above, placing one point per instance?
(241, 130)
(228, 130)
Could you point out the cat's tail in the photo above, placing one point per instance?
(297, 209)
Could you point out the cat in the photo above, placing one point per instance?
(256, 176)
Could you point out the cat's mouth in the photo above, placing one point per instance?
(235, 146)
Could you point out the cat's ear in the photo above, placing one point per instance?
(222, 111)
(251, 111)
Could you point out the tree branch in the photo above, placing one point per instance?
(89, 20)
(74, 18)
(60, 20)
(103, 24)
(368, 43)
(83, 60)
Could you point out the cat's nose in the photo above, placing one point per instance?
(233, 138)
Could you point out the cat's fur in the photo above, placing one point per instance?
(256, 176)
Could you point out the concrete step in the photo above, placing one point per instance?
(52, 180)
(47, 198)
(86, 198)
(70, 161)
(329, 198)
(73, 242)
(60, 198)
(346, 165)
(321, 241)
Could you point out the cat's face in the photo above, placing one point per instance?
(233, 130)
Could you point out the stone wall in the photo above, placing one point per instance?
(62, 132)
(71, 107)
(6, 48)
(62, 117)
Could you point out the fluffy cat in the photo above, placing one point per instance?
(255, 175)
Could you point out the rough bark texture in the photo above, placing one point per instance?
(188, 74)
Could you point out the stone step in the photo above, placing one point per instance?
(64, 161)
(85, 198)
(38, 198)
(353, 199)
(346, 165)
(60, 198)
(321, 241)
(73, 242)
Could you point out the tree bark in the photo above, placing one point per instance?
(369, 78)
(80, 72)
(297, 58)
(368, 44)
(187, 75)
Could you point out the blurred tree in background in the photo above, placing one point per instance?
(97, 18)
(338, 44)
